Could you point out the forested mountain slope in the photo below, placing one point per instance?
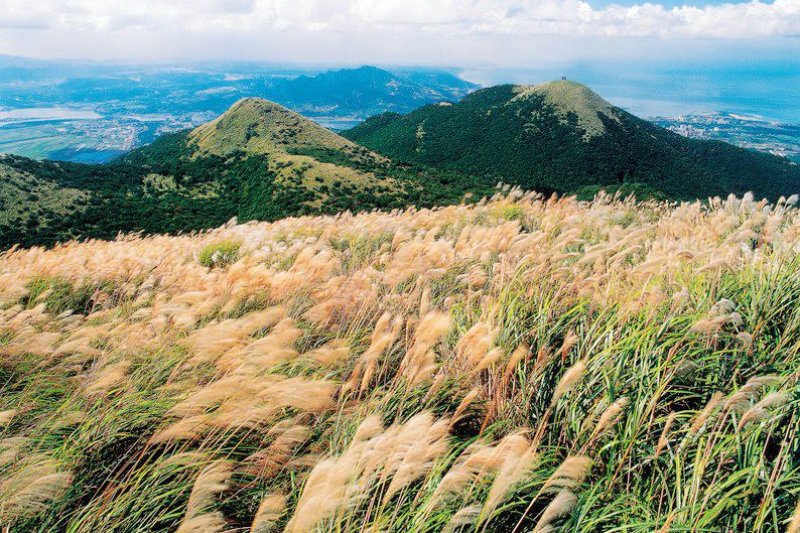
(562, 137)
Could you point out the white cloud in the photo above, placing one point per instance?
(314, 29)
(756, 18)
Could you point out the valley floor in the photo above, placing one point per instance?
(523, 364)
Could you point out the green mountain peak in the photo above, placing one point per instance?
(569, 97)
(561, 136)
(258, 126)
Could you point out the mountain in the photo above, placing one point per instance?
(445, 82)
(368, 90)
(255, 125)
(285, 163)
(257, 161)
(562, 137)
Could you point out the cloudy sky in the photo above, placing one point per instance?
(466, 33)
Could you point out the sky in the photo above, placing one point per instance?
(464, 33)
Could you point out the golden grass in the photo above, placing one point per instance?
(583, 366)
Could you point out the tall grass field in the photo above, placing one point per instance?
(521, 364)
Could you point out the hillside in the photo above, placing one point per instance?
(521, 364)
(257, 161)
(255, 125)
(30, 201)
(562, 137)
(262, 161)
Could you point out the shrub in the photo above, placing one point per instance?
(59, 295)
(219, 254)
(513, 212)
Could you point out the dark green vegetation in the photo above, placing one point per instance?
(562, 137)
(257, 161)
(128, 197)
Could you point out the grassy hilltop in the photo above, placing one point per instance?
(520, 364)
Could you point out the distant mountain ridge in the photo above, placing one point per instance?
(562, 137)
(367, 90)
(134, 104)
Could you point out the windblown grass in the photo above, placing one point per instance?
(522, 364)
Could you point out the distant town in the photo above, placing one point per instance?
(755, 133)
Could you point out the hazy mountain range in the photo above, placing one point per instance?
(95, 112)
